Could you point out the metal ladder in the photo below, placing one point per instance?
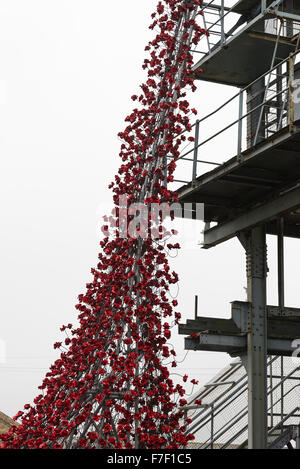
(273, 113)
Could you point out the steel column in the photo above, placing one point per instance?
(257, 339)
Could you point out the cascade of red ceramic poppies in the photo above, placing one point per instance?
(111, 386)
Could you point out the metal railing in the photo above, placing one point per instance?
(221, 420)
(222, 22)
(275, 111)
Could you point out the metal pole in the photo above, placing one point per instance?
(280, 256)
(282, 394)
(291, 94)
(298, 438)
(257, 339)
(289, 23)
(271, 394)
(222, 23)
(196, 306)
(212, 426)
(240, 125)
(263, 5)
(196, 151)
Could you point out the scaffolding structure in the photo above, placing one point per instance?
(253, 45)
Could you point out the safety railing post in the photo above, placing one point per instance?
(291, 93)
(271, 395)
(240, 124)
(222, 23)
(212, 432)
(194, 175)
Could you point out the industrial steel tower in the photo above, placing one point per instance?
(253, 46)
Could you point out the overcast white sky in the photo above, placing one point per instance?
(67, 71)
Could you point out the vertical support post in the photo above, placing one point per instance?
(194, 175)
(212, 429)
(257, 339)
(263, 5)
(222, 23)
(291, 93)
(280, 257)
(281, 393)
(196, 306)
(279, 101)
(271, 395)
(298, 438)
(240, 124)
(289, 23)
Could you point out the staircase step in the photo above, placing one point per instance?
(278, 438)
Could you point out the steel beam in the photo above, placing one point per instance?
(225, 326)
(216, 343)
(285, 15)
(284, 202)
(235, 345)
(278, 327)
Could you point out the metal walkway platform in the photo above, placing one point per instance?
(239, 55)
(260, 175)
(247, 53)
(230, 335)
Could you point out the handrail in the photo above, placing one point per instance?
(219, 108)
(228, 10)
(235, 122)
(276, 3)
(215, 111)
(242, 430)
(226, 402)
(200, 424)
(267, 126)
(286, 394)
(205, 420)
(284, 420)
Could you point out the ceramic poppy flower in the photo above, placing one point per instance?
(110, 387)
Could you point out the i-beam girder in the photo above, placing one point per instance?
(230, 335)
(286, 201)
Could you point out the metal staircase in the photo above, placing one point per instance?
(279, 438)
(219, 410)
